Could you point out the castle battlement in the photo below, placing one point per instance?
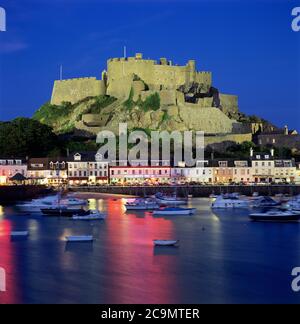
(77, 79)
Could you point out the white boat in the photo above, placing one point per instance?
(174, 211)
(229, 202)
(165, 242)
(73, 202)
(81, 238)
(265, 202)
(91, 215)
(170, 200)
(276, 216)
(19, 233)
(142, 204)
(36, 205)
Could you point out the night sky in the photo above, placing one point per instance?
(248, 45)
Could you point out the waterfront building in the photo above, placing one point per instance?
(148, 175)
(222, 171)
(263, 167)
(87, 168)
(285, 171)
(48, 171)
(242, 171)
(9, 167)
(297, 177)
(202, 173)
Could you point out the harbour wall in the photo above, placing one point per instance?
(9, 194)
(195, 191)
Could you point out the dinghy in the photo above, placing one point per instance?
(19, 233)
(171, 211)
(81, 238)
(90, 215)
(142, 204)
(275, 216)
(165, 242)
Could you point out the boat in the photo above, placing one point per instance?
(81, 238)
(170, 200)
(90, 215)
(229, 201)
(265, 202)
(294, 204)
(62, 211)
(165, 242)
(275, 216)
(73, 202)
(142, 204)
(19, 233)
(36, 205)
(173, 211)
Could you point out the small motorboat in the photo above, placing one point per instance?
(229, 201)
(173, 211)
(165, 242)
(275, 216)
(73, 202)
(90, 215)
(142, 204)
(19, 233)
(81, 238)
(170, 200)
(265, 202)
(62, 211)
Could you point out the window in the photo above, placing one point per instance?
(223, 164)
(273, 140)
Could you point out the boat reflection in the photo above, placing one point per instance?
(138, 272)
(8, 263)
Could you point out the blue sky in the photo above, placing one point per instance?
(248, 45)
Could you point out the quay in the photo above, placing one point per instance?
(195, 190)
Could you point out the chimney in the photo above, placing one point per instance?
(286, 130)
(251, 152)
(272, 152)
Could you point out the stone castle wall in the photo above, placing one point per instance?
(74, 90)
(162, 76)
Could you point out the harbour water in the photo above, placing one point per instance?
(222, 257)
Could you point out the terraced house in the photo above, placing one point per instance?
(87, 168)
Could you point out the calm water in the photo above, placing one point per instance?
(222, 258)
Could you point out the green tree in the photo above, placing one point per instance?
(26, 137)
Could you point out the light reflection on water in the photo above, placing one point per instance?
(222, 257)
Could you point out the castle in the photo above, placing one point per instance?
(182, 90)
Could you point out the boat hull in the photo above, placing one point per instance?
(162, 212)
(266, 218)
(79, 238)
(165, 242)
(63, 212)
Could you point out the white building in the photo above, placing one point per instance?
(10, 167)
(87, 168)
(140, 174)
(48, 171)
